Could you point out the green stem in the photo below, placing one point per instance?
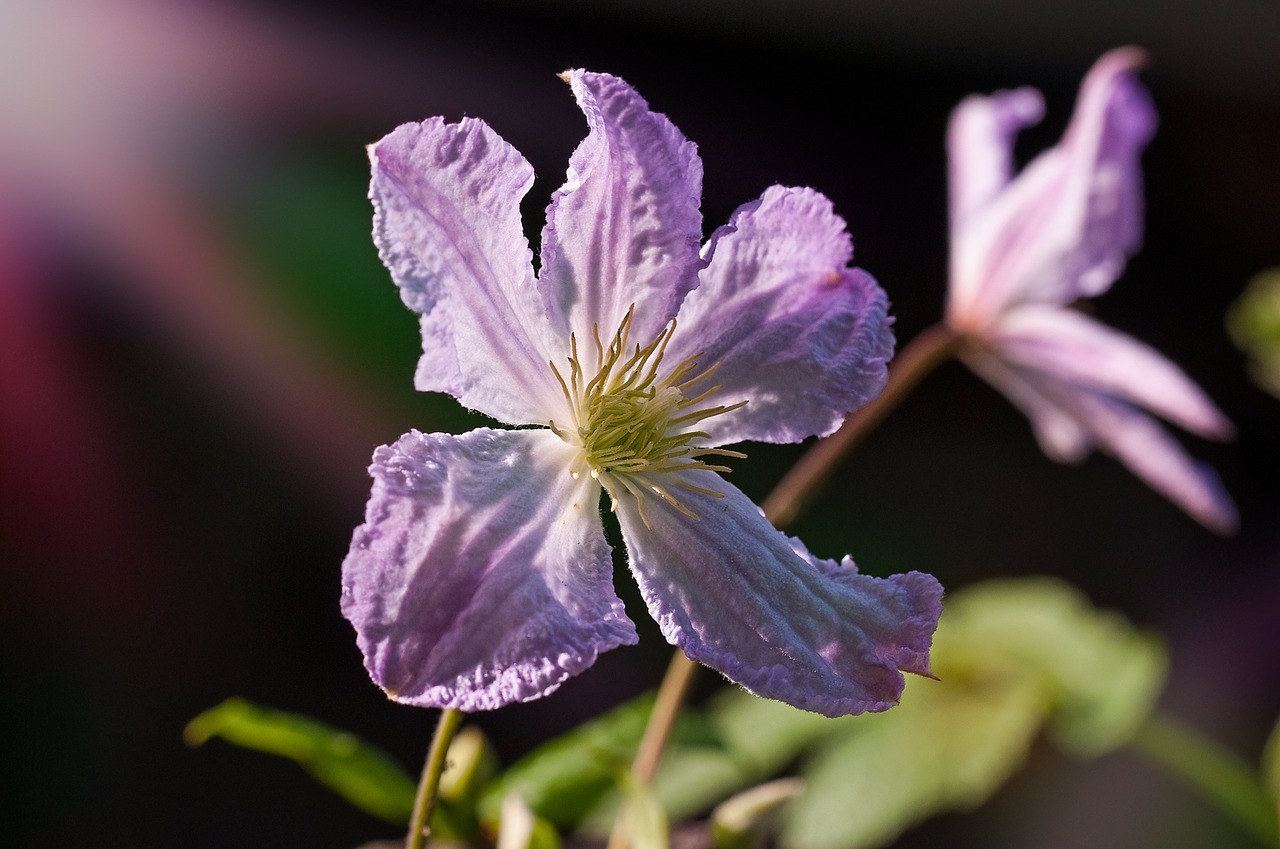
(782, 506)
(429, 784)
(1219, 775)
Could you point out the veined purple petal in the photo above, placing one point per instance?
(1059, 432)
(1065, 226)
(1079, 350)
(481, 575)
(1072, 418)
(980, 138)
(795, 332)
(624, 228)
(1138, 441)
(736, 594)
(447, 224)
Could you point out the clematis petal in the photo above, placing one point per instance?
(736, 594)
(980, 138)
(795, 331)
(1065, 226)
(624, 228)
(1070, 419)
(1060, 434)
(1138, 441)
(1079, 350)
(447, 225)
(481, 575)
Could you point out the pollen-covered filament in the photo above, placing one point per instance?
(632, 426)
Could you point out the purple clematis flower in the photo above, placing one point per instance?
(1022, 248)
(481, 576)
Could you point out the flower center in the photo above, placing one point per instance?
(632, 426)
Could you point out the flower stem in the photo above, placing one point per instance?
(1220, 776)
(798, 486)
(671, 695)
(782, 506)
(429, 783)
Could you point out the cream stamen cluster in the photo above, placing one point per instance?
(632, 425)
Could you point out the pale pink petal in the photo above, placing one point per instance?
(624, 228)
(980, 138)
(1065, 226)
(736, 594)
(447, 225)
(789, 327)
(1139, 442)
(481, 575)
(1059, 432)
(1081, 351)
(1071, 419)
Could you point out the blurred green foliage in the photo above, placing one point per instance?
(1013, 658)
(1271, 768)
(360, 773)
(1254, 324)
(305, 226)
(564, 779)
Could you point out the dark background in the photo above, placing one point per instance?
(199, 351)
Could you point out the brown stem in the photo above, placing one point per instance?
(788, 498)
(806, 477)
(671, 695)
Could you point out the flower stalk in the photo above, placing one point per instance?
(1219, 776)
(783, 505)
(792, 494)
(429, 783)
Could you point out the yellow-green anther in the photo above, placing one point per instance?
(629, 422)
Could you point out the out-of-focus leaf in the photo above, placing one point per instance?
(738, 822)
(1271, 766)
(755, 737)
(643, 815)
(1011, 655)
(305, 224)
(472, 764)
(360, 773)
(564, 778)
(745, 741)
(946, 746)
(520, 829)
(1100, 673)
(1254, 324)
(1221, 776)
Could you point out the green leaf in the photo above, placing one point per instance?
(564, 778)
(1271, 766)
(1254, 324)
(739, 822)
(947, 745)
(520, 829)
(643, 815)
(472, 764)
(1220, 776)
(754, 740)
(1100, 674)
(740, 741)
(1011, 656)
(360, 773)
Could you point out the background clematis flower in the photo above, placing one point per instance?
(1024, 247)
(481, 575)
